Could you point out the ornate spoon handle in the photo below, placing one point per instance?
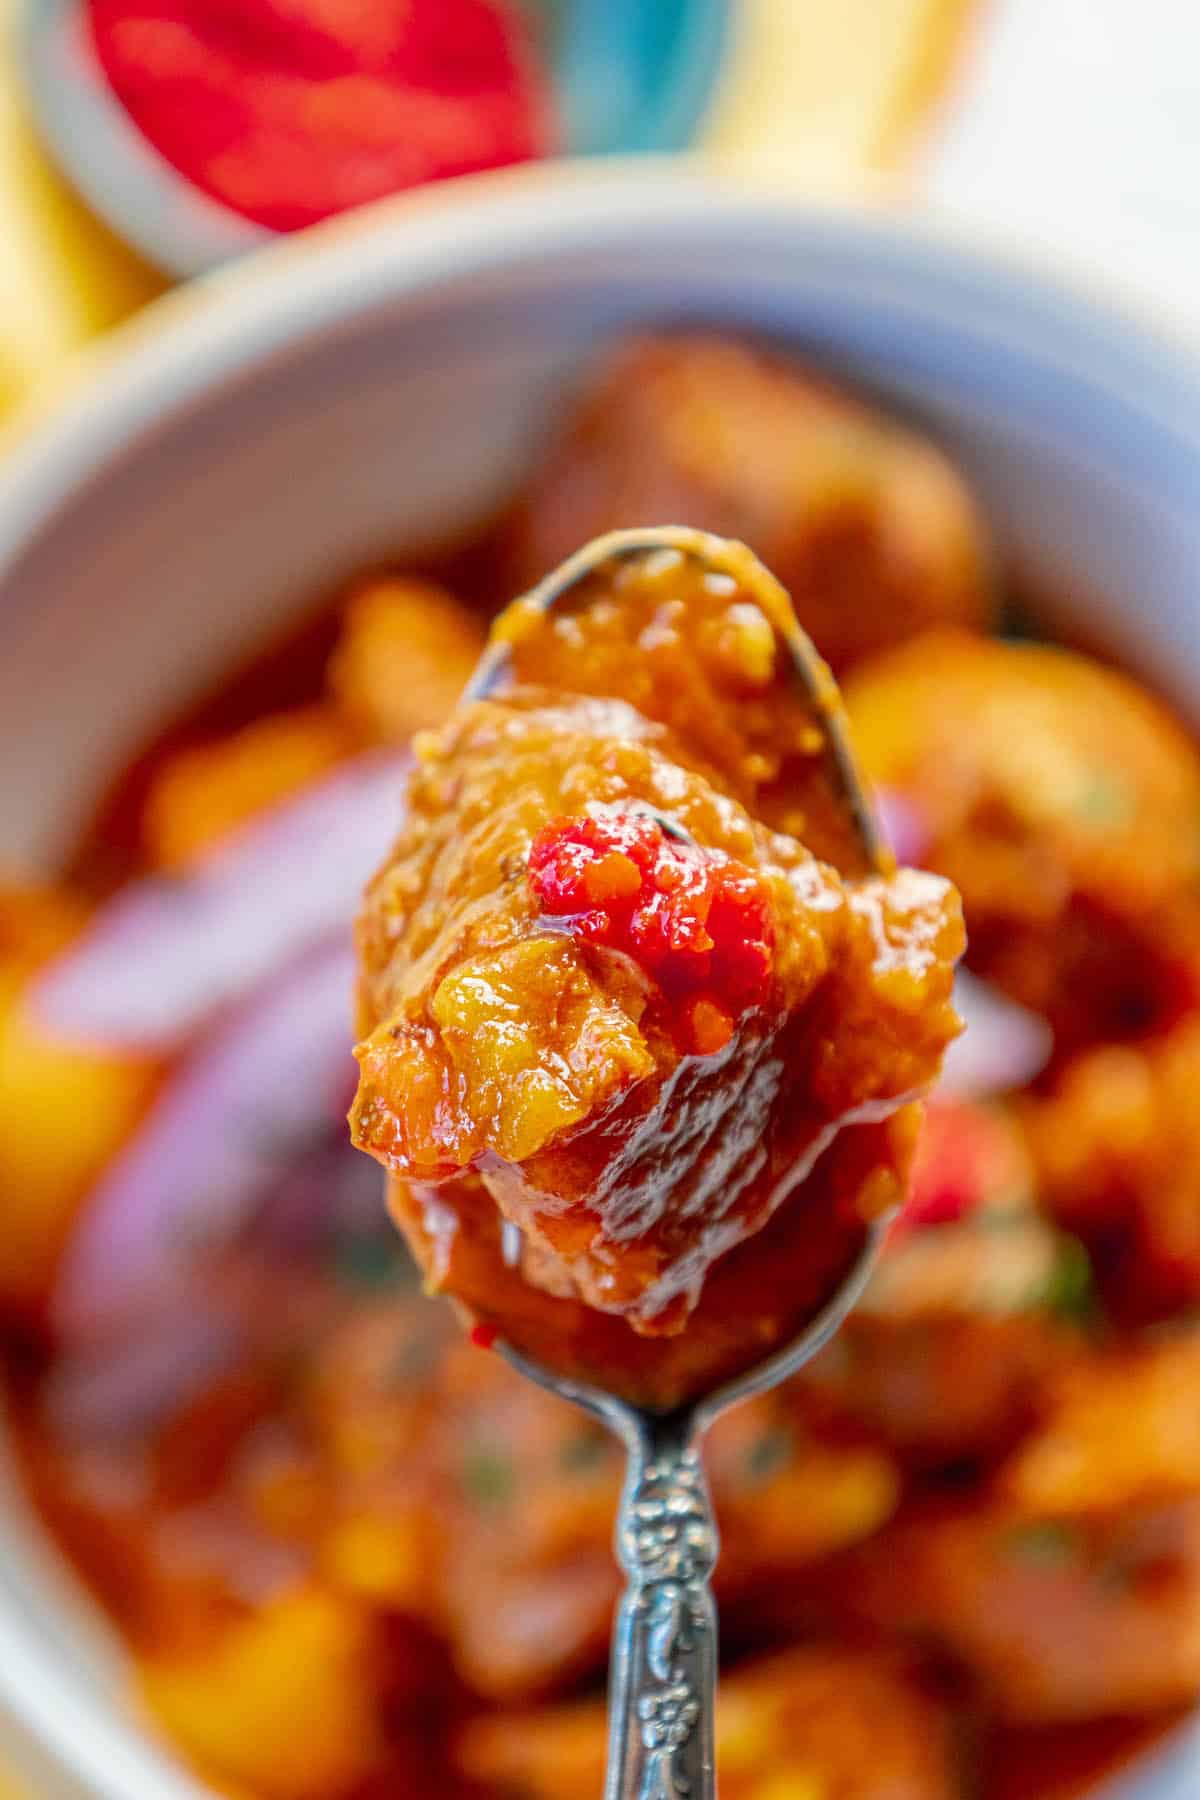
(664, 1662)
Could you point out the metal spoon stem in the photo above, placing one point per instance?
(664, 1656)
(663, 1672)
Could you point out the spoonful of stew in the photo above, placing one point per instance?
(647, 1014)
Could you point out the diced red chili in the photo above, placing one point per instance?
(695, 919)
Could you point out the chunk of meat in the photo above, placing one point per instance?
(986, 1284)
(1071, 1585)
(594, 979)
(1119, 1431)
(1116, 1141)
(405, 654)
(525, 1489)
(502, 1036)
(1058, 1618)
(866, 523)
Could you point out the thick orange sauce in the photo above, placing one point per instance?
(357, 1556)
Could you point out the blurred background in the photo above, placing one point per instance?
(145, 144)
(1071, 122)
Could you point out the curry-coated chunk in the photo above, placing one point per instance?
(1063, 801)
(595, 976)
(1057, 1617)
(1116, 1141)
(973, 1278)
(204, 793)
(569, 1059)
(1070, 1586)
(406, 650)
(1118, 1431)
(867, 524)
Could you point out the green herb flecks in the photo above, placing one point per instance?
(368, 1259)
(584, 1453)
(1105, 802)
(769, 1454)
(415, 1359)
(1045, 1541)
(1070, 1292)
(489, 1476)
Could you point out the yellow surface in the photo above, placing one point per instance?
(820, 93)
(63, 277)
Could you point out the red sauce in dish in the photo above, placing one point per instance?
(600, 994)
(694, 918)
(290, 110)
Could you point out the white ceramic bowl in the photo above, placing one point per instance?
(361, 393)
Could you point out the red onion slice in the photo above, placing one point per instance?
(904, 825)
(226, 1125)
(139, 1379)
(1003, 1047)
(164, 954)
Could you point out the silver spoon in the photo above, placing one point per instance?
(662, 1679)
(96, 144)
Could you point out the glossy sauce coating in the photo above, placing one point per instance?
(637, 1096)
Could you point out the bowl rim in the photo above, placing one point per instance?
(151, 367)
(215, 328)
(151, 370)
